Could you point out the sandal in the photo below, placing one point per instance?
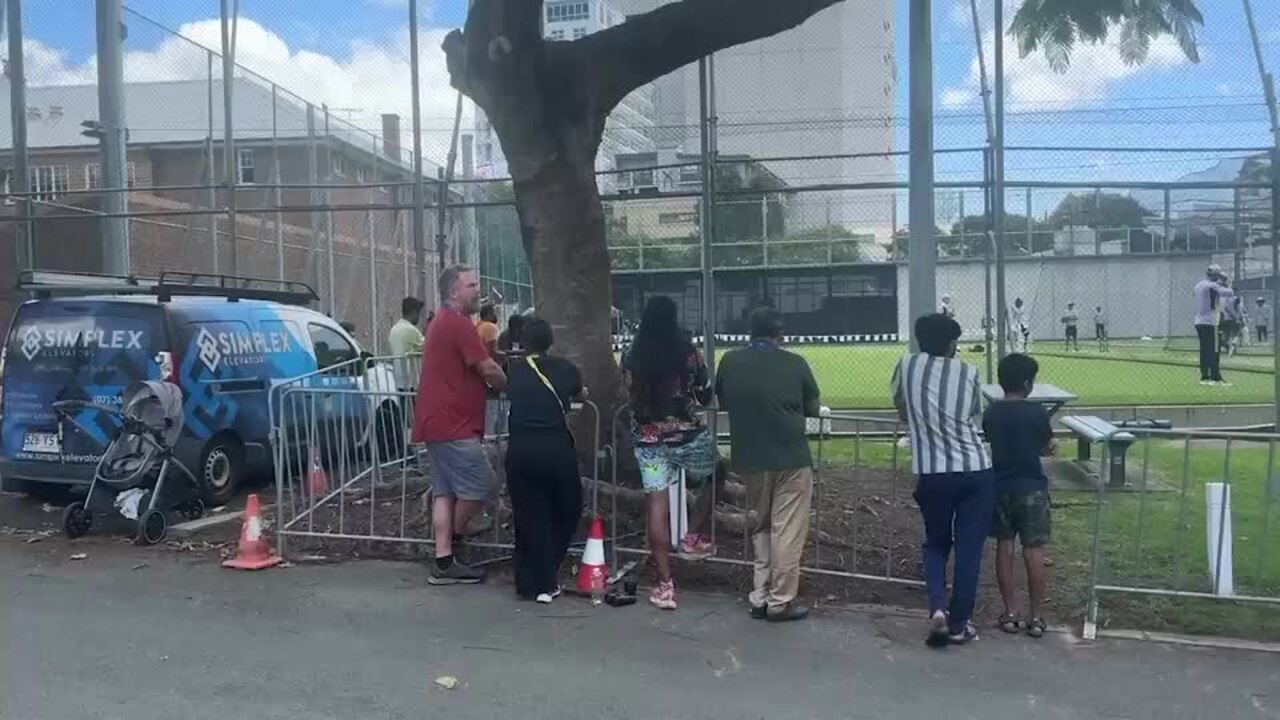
(1035, 628)
(1009, 623)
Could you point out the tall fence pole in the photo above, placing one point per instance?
(210, 173)
(419, 228)
(997, 186)
(706, 111)
(987, 318)
(313, 173)
(922, 246)
(228, 132)
(114, 169)
(275, 178)
(328, 216)
(18, 182)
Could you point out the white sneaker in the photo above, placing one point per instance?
(544, 598)
(1208, 382)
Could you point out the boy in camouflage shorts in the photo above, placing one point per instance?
(1019, 434)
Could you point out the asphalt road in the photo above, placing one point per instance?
(153, 633)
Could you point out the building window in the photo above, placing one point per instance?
(690, 174)
(337, 165)
(579, 33)
(565, 11)
(48, 182)
(642, 178)
(677, 218)
(246, 169)
(556, 35)
(93, 175)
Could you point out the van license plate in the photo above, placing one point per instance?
(42, 443)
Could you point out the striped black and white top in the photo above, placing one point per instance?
(942, 400)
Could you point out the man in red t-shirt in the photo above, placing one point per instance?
(449, 418)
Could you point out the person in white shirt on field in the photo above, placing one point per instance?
(1019, 327)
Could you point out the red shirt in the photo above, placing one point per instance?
(451, 394)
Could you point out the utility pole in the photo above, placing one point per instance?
(114, 169)
(997, 189)
(228, 131)
(25, 255)
(419, 225)
(922, 245)
(1269, 90)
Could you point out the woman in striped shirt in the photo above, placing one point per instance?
(940, 398)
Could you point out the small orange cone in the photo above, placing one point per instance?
(317, 478)
(254, 552)
(593, 573)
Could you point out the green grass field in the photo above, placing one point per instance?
(857, 377)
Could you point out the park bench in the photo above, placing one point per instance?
(1089, 430)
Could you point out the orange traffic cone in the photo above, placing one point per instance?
(317, 478)
(593, 572)
(254, 552)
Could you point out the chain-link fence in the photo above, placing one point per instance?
(1121, 183)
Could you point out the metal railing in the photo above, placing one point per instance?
(1145, 533)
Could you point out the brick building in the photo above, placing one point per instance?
(175, 149)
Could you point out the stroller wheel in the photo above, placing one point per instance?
(151, 528)
(76, 520)
(191, 509)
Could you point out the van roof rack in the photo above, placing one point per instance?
(234, 287)
(46, 284)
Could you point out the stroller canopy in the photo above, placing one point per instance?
(157, 404)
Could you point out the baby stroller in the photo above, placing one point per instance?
(132, 471)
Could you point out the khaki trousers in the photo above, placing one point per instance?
(781, 502)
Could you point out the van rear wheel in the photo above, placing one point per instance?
(221, 470)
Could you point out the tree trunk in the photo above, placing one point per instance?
(562, 226)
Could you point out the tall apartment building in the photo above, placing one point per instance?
(827, 87)
(629, 129)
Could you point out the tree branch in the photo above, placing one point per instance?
(648, 46)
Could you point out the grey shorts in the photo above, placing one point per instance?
(461, 468)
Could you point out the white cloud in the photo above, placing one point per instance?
(1094, 70)
(372, 76)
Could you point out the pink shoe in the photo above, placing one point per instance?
(663, 595)
(696, 545)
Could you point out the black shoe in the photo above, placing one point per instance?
(759, 612)
(456, 574)
(788, 613)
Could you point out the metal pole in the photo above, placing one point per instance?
(419, 227)
(18, 182)
(373, 278)
(442, 207)
(922, 246)
(111, 118)
(1168, 221)
(313, 174)
(987, 318)
(1031, 237)
(275, 175)
(982, 71)
(1269, 90)
(997, 185)
(706, 70)
(228, 132)
(328, 215)
(210, 173)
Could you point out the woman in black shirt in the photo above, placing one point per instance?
(542, 466)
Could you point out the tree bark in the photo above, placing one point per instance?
(547, 102)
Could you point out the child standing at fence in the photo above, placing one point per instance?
(1019, 434)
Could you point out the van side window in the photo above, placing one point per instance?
(330, 347)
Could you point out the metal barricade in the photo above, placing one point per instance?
(841, 543)
(1197, 521)
(346, 469)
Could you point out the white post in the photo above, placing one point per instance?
(1217, 499)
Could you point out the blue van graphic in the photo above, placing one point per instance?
(225, 341)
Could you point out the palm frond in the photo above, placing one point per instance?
(1055, 26)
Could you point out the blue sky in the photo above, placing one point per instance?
(1167, 103)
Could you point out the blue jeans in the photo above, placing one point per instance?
(957, 510)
